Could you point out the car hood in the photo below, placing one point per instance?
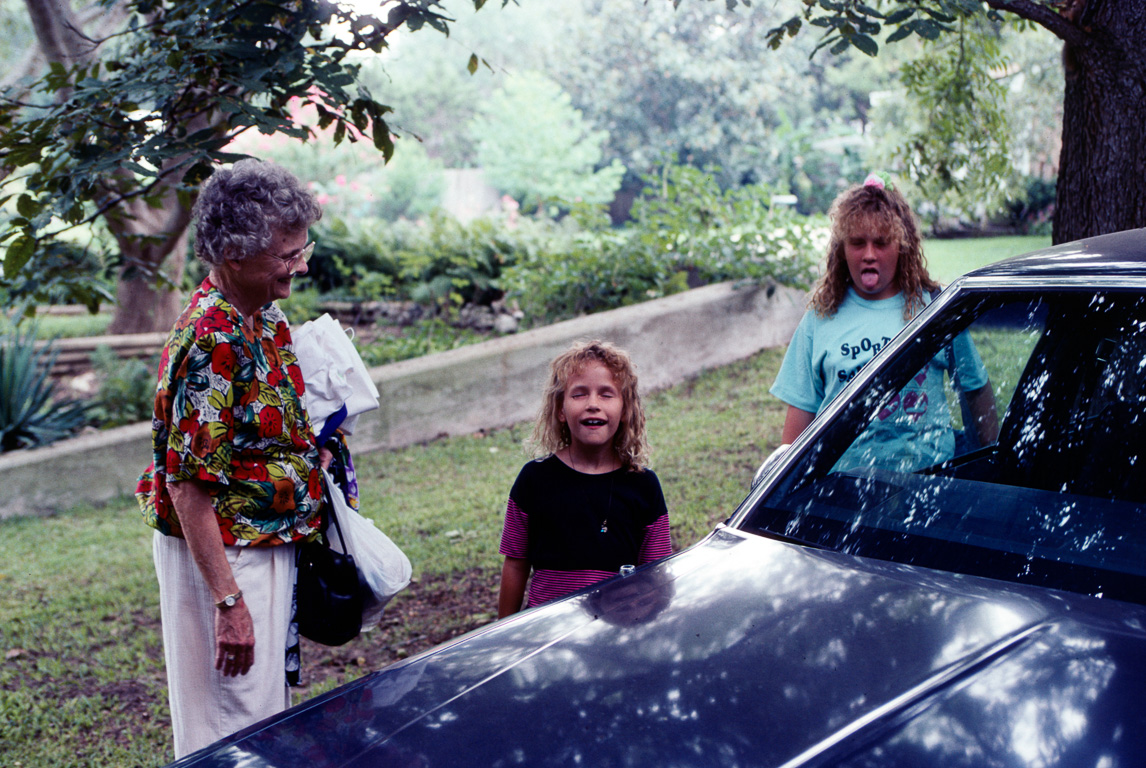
(744, 651)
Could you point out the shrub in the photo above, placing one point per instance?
(685, 232)
(448, 263)
(439, 261)
(29, 414)
(427, 337)
(345, 255)
(126, 389)
(1032, 213)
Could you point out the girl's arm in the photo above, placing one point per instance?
(658, 541)
(795, 423)
(982, 405)
(514, 574)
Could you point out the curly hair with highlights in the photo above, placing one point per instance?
(550, 434)
(240, 210)
(884, 210)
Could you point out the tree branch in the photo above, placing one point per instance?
(1059, 25)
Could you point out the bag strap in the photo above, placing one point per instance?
(330, 517)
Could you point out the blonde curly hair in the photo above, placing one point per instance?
(550, 434)
(883, 209)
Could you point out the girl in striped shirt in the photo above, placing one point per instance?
(590, 504)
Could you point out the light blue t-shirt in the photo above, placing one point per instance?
(914, 429)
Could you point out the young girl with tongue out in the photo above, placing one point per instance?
(874, 282)
(590, 505)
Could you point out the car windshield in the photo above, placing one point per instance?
(1026, 467)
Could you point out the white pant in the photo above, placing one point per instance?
(206, 705)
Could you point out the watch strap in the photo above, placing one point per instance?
(230, 600)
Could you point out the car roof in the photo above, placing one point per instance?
(1116, 254)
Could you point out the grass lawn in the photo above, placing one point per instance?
(81, 662)
(950, 258)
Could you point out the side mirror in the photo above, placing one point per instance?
(769, 463)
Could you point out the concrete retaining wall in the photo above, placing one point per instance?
(484, 386)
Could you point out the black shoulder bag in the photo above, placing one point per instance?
(329, 590)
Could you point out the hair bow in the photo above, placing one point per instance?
(878, 179)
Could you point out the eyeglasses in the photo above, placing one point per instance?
(304, 254)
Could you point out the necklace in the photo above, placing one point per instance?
(609, 504)
(608, 507)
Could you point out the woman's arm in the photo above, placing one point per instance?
(795, 422)
(514, 574)
(234, 629)
(981, 403)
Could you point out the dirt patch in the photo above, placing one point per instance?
(430, 611)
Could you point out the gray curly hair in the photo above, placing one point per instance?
(240, 209)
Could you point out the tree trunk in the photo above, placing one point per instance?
(153, 243)
(147, 303)
(1102, 169)
(149, 239)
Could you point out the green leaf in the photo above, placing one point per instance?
(198, 173)
(900, 16)
(900, 33)
(929, 30)
(19, 252)
(865, 44)
(27, 207)
(473, 63)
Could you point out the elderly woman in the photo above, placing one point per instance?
(235, 478)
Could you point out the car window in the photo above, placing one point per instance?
(1004, 440)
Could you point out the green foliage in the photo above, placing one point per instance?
(858, 25)
(302, 304)
(535, 146)
(424, 338)
(347, 255)
(410, 186)
(126, 389)
(447, 263)
(64, 273)
(724, 234)
(29, 415)
(958, 144)
(1030, 212)
(438, 261)
(685, 231)
(155, 107)
(697, 81)
(953, 137)
(62, 326)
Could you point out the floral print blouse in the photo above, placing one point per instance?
(229, 412)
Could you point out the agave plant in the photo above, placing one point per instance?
(30, 416)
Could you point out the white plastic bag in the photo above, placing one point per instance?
(384, 566)
(333, 372)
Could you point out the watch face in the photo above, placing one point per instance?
(230, 601)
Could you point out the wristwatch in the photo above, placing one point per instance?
(230, 600)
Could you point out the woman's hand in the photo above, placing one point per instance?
(234, 640)
(325, 456)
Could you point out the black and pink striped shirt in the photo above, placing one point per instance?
(576, 529)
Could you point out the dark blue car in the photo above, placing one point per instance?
(986, 607)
